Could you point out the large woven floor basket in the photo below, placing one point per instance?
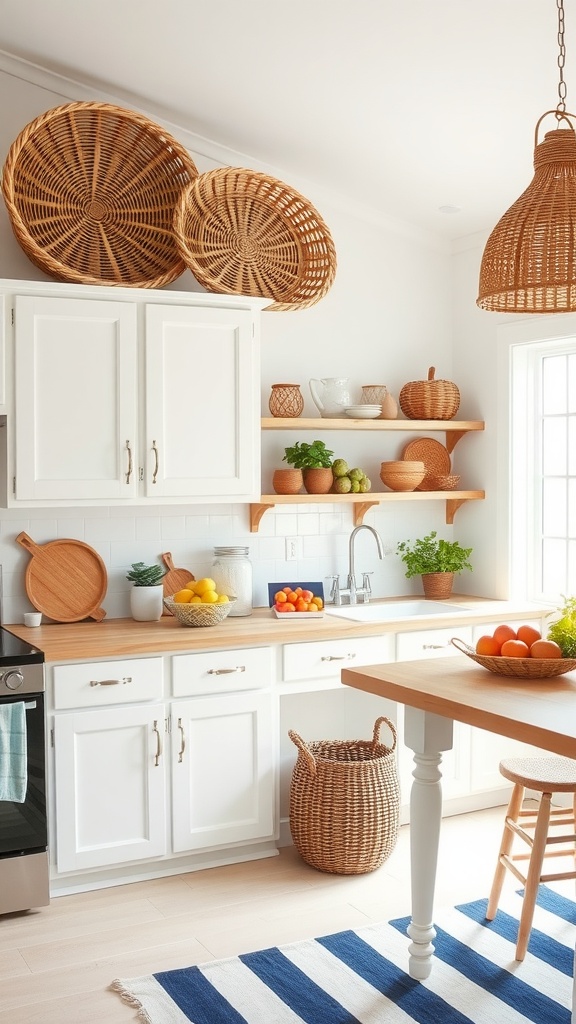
(90, 190)
(344, 802)
(243, 233)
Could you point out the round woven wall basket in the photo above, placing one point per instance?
(90, 190)
(244, 233)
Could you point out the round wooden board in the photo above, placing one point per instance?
(65, 579)
(174, 580)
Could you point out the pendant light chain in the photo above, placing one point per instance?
(562, 91)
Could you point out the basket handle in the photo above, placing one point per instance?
(377, 727)
(304, 750)
(461, 646)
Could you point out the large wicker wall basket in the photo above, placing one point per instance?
(243, 233)
(90, 190)
(344, 802)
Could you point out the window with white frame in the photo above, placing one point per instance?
(543, 468)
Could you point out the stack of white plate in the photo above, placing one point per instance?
(363, 412)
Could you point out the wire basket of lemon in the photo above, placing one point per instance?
(199, 604)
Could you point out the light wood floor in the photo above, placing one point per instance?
(56, 963)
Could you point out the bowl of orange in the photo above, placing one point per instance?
(518, 653)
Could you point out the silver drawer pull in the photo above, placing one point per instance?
(225, 671)
(158, 744)
(434, 647)
(110, 682)
(337, 657)
(182, 741)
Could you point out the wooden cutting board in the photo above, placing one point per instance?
(175, 579)
(65, 579)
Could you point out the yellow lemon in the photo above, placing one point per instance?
(195, 599)
(201, 586)
(210, 597)
(223, 599)
(183, 596)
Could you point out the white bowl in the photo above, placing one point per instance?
(363, 412)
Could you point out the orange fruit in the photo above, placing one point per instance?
(318, 602)
(503, 633)
(301, 605)
(529, 635)
(280, 596)
(292, 596)
(545, 649)
(515, 649)
(487, 645)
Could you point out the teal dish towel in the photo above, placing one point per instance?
(13, 752)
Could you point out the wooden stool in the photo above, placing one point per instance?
(547, 775)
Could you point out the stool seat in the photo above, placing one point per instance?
(545, 775)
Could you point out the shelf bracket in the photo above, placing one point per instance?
(452, 506)
(452, 438)
(256, 513)
(360, 510)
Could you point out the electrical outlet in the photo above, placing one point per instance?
(293, 549)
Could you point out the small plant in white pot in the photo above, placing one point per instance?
(147, 594)
(436, 561)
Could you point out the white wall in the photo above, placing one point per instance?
(387, 318)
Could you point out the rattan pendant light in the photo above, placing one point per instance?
(529, 263)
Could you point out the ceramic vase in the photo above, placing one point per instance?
(146, 603)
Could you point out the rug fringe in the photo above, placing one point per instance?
(127, 997)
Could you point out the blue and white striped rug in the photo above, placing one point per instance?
(359, 976)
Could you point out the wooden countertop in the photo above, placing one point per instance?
(114, 638)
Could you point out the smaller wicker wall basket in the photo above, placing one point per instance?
(90, 190)
(244, 233)
(344, 802)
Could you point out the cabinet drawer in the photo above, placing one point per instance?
(96, 683)
(325, 658)
(430, 643)
(221, 671)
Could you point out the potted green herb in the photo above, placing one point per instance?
(436, 561)
(147, 594)
(315, 462)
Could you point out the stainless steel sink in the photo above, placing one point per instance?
(386, 610)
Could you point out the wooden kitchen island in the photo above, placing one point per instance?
(436, 693)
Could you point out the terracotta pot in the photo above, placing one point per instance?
(318, 481)
(437, 585)
(287, 481)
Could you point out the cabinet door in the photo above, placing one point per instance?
(110, 786)
(222, 770)
(202, 403)
(76, 380)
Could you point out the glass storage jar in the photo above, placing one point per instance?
(232, 574)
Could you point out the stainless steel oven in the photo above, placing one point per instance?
(24, 871)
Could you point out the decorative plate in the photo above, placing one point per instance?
(435, 456)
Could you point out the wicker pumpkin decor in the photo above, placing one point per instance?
(429, 399)
(244, 233)
(90, 190)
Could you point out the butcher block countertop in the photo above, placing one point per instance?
(113, 638)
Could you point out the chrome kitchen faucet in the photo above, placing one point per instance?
(351, 590)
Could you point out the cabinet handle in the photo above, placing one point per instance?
(182, 741)
(156, 463)
(110, 682)
(337, 657)
(225, 671)
(434, 647)
(158, 744)
(129, 470)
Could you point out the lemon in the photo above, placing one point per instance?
(210, 597)
(222, 599)
(195, 599)
(183, 596)
(201, 586)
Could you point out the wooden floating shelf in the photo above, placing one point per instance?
(454, 429)
(362, 502)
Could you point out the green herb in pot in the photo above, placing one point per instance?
(563, 631)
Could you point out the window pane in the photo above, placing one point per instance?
(571, 582)
(572, 382)
(554, 510)
(571, 530)
(572, 446)
(554, 446)
(554, 567)
(554, 372)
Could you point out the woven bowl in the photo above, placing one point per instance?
(90, 190)
(519, 668)
(199, 614)
(402, 475)
(441, 482)
(243, 233)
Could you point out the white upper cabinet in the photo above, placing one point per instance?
(130, 396)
